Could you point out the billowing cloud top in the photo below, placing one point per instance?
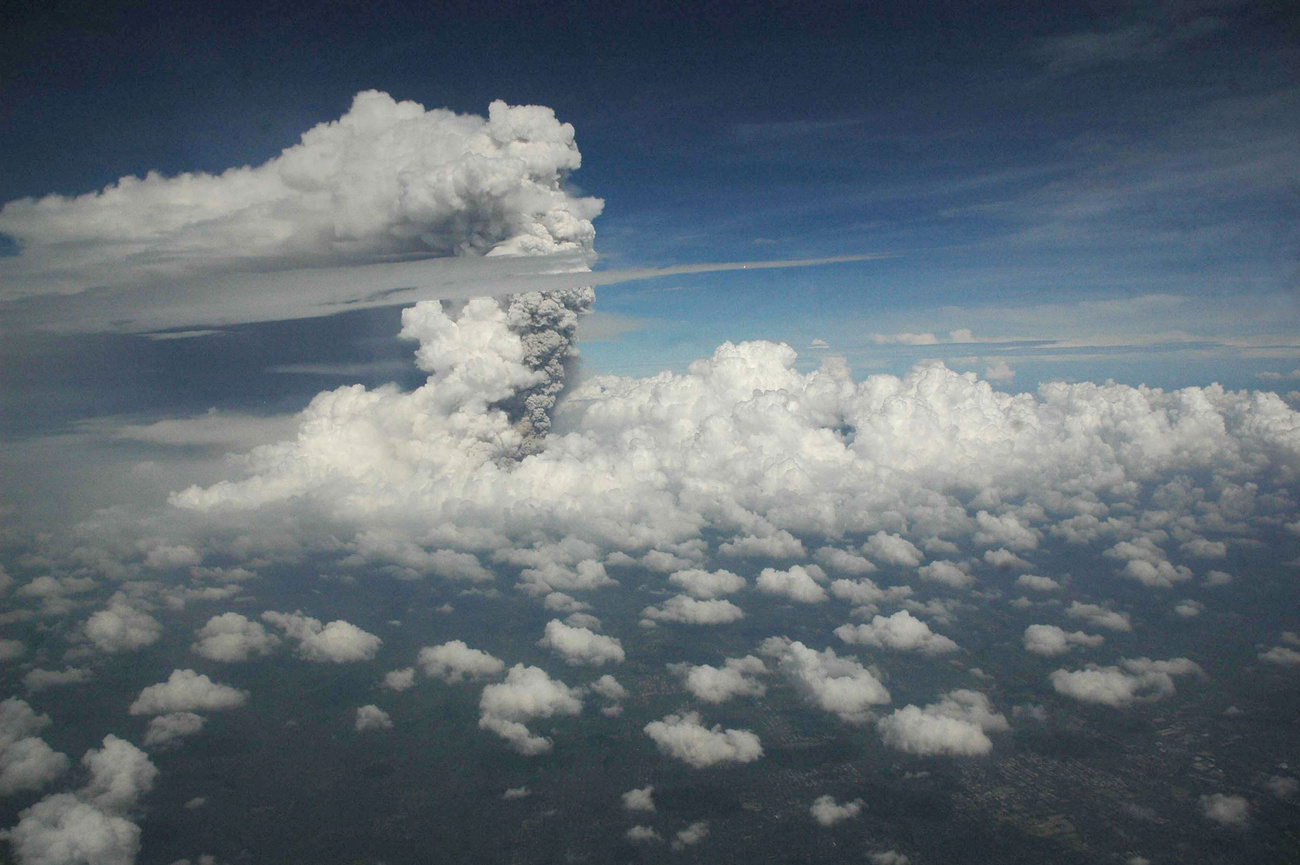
(386, 179)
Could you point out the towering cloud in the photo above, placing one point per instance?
(386, 178)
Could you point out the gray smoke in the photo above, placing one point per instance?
(547, 322)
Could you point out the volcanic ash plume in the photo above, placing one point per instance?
(547, 324)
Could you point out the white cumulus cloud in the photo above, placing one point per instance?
(838, 685)
(581, 645)
(338, 642)
(797, 584)
(685, 738)
(186, 691)
(901, 631)
(1138, 680)
(956, 725)
(1051, 640)
(826, 811)
(526, 694)
(231, 637)
(738, 677)
(454, 661)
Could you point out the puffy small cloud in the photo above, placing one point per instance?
(1000, 371)
(1281, 655)
(60, 830)
(402, 680)
(122, 628)
(39, 680)
(684, 738)
(691, 835)
(1226, 810)
(893, 549)
(1204, 549)
(372, 717)
(11, 649)
(559, 602)
(1037, 583)
(947, 573)
(172, 726)
(580, 645)
(1004, 531)
(954, 726)
(861, 593)
(230, 638)
(516, 793)
(639, 799)
(527, 693)
(643, 835)
(688, 610)
(89, 826)
(838, 685)
(583, 620)
(1146, 562)
(1005, 559)
(609, 688)
(338, 642)
(120, 773)
(901, 631)
(738, 677)
(1099, 616)
(1282, 786)
(888, 857)
(26, 761)
(797, 584)
(778, 545)
(1051, 640)
(1218, 578)
(707, 584)
(844, 561)
(1140, 681)
(1188, 609)
(187, 691)
(453, 662)
(826, 811)
(551, 577)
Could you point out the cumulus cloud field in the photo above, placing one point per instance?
(674, 610)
